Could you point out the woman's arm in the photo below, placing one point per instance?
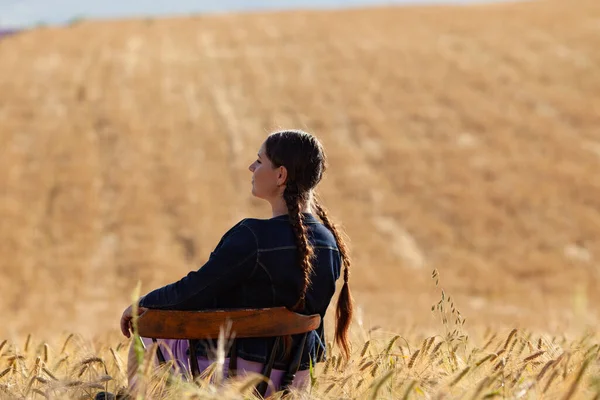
(230, 263)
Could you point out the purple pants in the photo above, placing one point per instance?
(176, 349)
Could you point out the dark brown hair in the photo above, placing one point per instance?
(304, 159)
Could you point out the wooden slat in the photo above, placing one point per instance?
(264, 322)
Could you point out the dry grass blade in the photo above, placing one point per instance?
(73, 383)
(413, 359)
(328, 363)
(512, 346)
(551, 379)
(423, 347)
(566, 363)
(380, 383)
(105, 378)
(562, 356)
(61, 361)
(429, 344)
(92, 385)
(329, 388)
(365, 365)
(27, 341)
(117, 360)
(391, 344)
(434, 352)
(338, 364)
(530, 347)
(534, 356)
(50, 374)
(509, 338)
(86, 363)
(595, 348)
(453, 358)
(460, 376)
(500, 365)
(409, 389)
(66, 343)
(522, 347)
(575, 384)
(344, 381)
(489, 342)
(543, 371)
(45, 352)
(375, 369)
(6, 371)
(92, 360)
(365, 348)
(483, 384)
(16, 358)
(498, 354)
(518, 375)
(489, 357)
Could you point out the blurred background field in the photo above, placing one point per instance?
(462, 138)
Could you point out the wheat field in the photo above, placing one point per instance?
(446, 365)
(464, 139)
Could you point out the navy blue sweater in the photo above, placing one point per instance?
(255, 265)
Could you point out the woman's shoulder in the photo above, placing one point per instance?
(280, 227)
(256, 224)
(240, 232)
(279, 222)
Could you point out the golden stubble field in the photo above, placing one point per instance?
(465, 139)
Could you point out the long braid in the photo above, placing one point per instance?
(345, 303)
(304, 161)
(305, 250)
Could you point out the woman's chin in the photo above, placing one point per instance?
(257, 195)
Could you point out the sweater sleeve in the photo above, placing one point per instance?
(232, 261)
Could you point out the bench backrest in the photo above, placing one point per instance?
(245, 323)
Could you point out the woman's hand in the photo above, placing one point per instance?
(127, 317)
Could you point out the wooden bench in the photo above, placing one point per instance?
(194, 326)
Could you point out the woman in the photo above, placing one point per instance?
(290, 260)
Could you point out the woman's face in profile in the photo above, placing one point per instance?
(264, 176)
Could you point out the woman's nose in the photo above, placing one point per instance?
(251, 167)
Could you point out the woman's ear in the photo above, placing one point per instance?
(281, 176)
